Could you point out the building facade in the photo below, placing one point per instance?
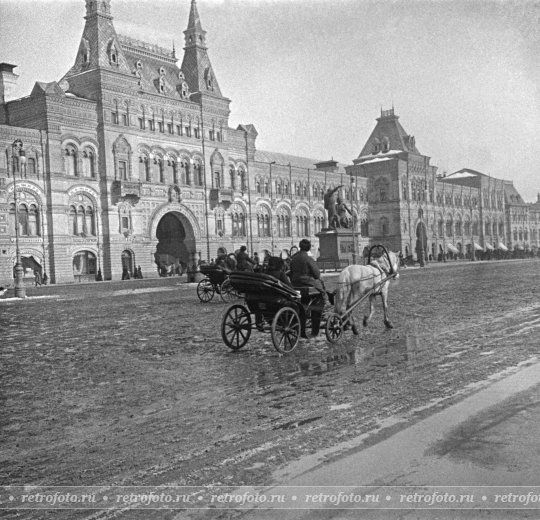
(129, 160)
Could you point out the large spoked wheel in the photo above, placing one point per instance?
(334, 328)
(285, 330)
(236, 326)
(205, 290)
(228, 292)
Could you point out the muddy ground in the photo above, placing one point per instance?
(131, 384)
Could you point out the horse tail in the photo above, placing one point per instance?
(342, 292)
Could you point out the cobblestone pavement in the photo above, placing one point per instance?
(131, 384)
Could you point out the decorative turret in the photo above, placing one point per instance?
(8, 79)
(99, 47)
(388, 136)
(196, 65)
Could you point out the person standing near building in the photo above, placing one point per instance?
(37, 278)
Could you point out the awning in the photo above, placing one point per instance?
(489, 247)
(502, 247)
(478, 247)
(452, 248)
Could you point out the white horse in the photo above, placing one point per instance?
(357, 280)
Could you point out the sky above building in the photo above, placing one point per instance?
(313, 75)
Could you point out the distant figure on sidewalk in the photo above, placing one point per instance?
(125, 274)
(139, 272)
(99, 276)
(45, 279)
(37, 278)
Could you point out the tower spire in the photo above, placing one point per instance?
(196, 64)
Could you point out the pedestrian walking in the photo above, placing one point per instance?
(37, 278)
(45, 279)
(139, 273)
(125, 274)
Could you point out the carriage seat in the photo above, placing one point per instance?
(307, 291)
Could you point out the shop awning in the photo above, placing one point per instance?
(478, 247)
(452, 248)
(502, 247)
(489, 247)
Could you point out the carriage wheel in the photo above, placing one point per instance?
(205, 290)
(228, 292)
(285, 330)
(236, 326)
(334, 328)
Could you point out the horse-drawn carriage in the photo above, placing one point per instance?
(216, 280)
(276, 308)
(285, 312)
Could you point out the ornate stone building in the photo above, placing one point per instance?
(130, 161)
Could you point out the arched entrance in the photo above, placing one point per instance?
(172, 254)
(421, 242)
(128, 263)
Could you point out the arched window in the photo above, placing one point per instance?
(467, 228)
(258, 186)
(318, 223)
(440, 226)
(302, 224)
(263, 222)
(238, 224)
(381, 187)
(449, 225)
(475, 227)
(242, 175)
(70, 160)
(458, 226)
(232, 177)
(266, 187)
(198, 174)
(364, 230)
(90, 227)
(84, 263)
(33, 221)
(88, 163)
(185, 177)
(31, 166)
(73, 220)
(144, 169)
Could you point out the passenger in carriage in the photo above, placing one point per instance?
(275, 269)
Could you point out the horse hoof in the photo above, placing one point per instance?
(355, 330)
(365, 322)
(388, 324)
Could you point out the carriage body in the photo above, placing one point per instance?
(283, 311)
(216, 280)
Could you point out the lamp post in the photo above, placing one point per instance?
(271, 209)
(19, 160)
(354, 219)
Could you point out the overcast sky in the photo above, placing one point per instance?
(312, 75)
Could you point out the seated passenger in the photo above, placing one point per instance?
(275, 269)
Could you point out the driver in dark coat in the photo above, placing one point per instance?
(305, 271)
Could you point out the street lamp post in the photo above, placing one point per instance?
(354, 219)
(19, 159)
(271, 209)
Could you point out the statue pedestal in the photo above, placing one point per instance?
(340, 244)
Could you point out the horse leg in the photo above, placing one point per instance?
(368, 317)
(384, 298)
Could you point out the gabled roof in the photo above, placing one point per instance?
(389, 130)
(511, 195)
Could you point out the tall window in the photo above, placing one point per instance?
(384, 226)
(238, 224)
(88, 163)
(70, 161)
(122, 170)
(197, 170)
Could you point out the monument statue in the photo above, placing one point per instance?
(330, 207)
(342, 210)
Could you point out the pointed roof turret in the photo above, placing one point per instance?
(388, 136)
(196, 65)
(99, 47)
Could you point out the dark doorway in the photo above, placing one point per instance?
(172, 255)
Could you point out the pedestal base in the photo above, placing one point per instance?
(340, 245)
